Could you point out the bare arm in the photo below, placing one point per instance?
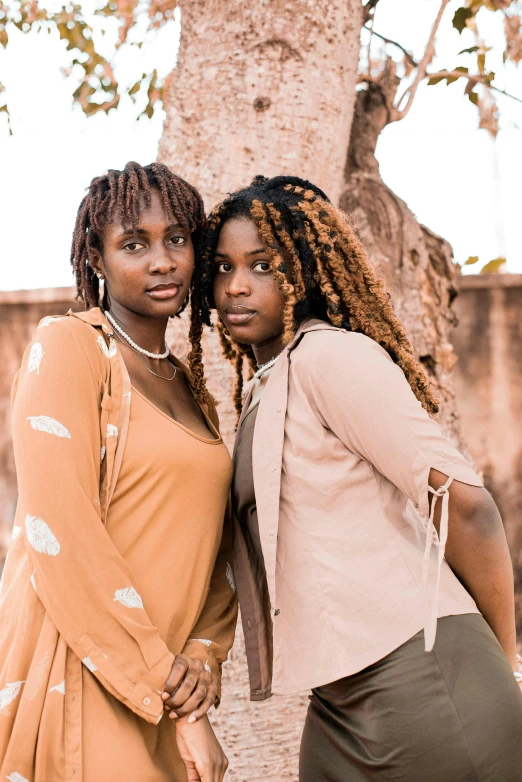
(478, 553)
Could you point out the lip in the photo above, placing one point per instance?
(166, 290)
(239, 315)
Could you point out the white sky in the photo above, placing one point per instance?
(458, 181)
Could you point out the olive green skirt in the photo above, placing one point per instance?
(450, 715)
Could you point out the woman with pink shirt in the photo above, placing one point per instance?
(371, 564)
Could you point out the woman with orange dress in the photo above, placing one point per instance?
(117, 605)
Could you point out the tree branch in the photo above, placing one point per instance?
(477, 78)
(422, 67)
(369, 8)
(406, 53)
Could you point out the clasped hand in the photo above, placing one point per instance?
(189, 692)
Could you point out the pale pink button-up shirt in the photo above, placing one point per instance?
(341, 457)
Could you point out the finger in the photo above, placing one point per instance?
(179, 669)
(221, 770)
(205, 705)
(192, 703)
(184, 691)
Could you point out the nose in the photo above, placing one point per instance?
(162, 262)
(238, 284)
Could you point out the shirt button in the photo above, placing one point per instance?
(146, 701)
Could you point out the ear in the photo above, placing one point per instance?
(96, 262)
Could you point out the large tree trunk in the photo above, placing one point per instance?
(265, 87)
(416, 264)
(269, 87)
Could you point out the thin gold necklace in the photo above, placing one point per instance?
(148, 368)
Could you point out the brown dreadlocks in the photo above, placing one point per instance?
(122, 195)
(326, 273)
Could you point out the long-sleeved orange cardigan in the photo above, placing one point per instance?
(69, 606)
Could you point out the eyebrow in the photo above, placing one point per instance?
(142, 232)
(248, 255)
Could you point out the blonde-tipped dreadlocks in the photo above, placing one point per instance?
(122, 195)
(328, 274)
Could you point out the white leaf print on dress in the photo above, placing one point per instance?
(32, 579)
(102, 453)
(207, 667)
(202, 641)
(89, 664)
(128, 597)
(230, 577)
(112, 431)
(59, 688)
(110, 351)
(14, 776)
(40, 536)
(35, 358)
(47, 321)
(44, 423)
(16, 533)
(9, 693)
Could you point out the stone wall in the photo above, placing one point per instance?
(488, 342)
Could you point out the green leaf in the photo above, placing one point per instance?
(474, 98)
(472, 259)
(435, 80)
(494, 266)
(461, 17)
(470, 50)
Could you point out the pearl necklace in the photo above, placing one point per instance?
(131, 342)
(261, 368)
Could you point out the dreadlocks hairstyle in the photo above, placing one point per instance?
(122, 196)
(327, 273)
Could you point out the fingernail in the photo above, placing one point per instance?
(164, 695)
(191, 720)
(173, 715)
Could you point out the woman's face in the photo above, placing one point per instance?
(147, 270)
(246, 295)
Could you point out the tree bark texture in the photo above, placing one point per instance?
(262, 88)
(269, 87)
(259, 88)
(416, 264)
